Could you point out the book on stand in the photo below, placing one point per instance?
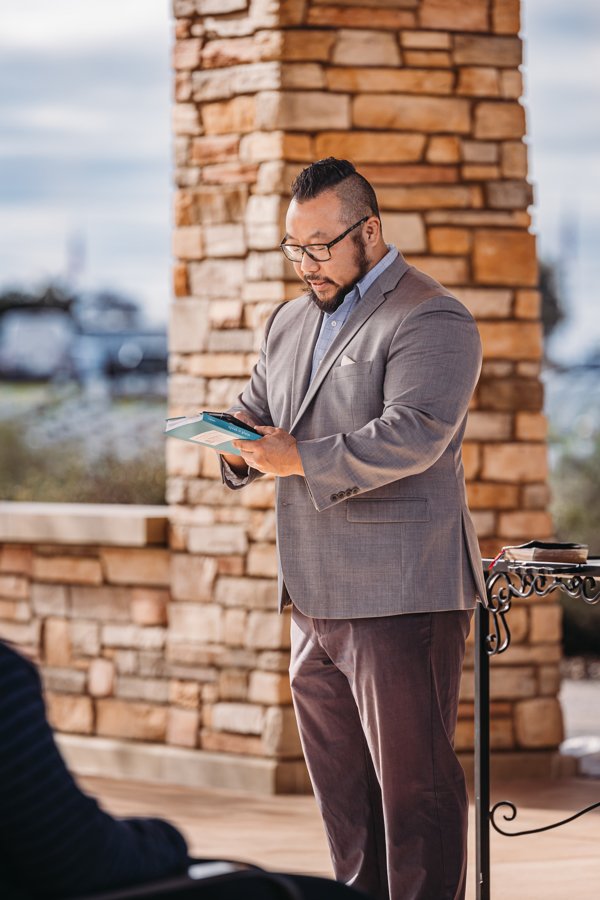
(211, 429)
(544, 551)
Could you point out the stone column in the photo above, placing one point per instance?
(424, 97)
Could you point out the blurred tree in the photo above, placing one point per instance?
(51, 296)
(553, 307)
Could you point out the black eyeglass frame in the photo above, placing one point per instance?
(328, 246)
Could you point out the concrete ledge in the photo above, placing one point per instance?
(132, 761)
(112, 525)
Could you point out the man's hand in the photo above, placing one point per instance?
(276, 453)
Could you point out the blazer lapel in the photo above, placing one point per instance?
(367, 305)
(303, 356)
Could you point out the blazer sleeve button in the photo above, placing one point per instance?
(333, 497)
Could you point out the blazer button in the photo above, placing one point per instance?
(349, 492)
(355, 490)
(333, 497)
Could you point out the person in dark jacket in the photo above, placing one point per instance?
(55, 841)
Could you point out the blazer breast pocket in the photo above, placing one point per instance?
(352, 370)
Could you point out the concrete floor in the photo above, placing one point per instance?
(285, 833)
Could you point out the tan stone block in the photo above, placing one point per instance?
(509, 194)
(181, 286)
(183, 727)
(230, 116)
(479, 218)
(395, 175)
(235, 52)
(538, 723)
(514, 159)
(427, 59)
(49, 600)
(425, 40)
(133, 636)
(149, 606)
(260, 494)
(90, 602)
(215, 540)
(280, 734)
(511, 84)
(185, 397)
(478, 81)
(489, 426)
(210, 279)
(16, 559)
(443, 149)
(215, 149)
(480, 173)
(70, 713)
(183, 86)
(546, 623)
(446, 269)
(411, 113)
(136, 566)
(192, 577)
(302, 111)
(214, 205)
(57, 642)
(183, 458)
(224, 240)
(188, 326)
(233, 684)
(184, 693)
(526, 525)
(531, 426)
(428, 197)
(404, 230)
(15, 610)
(512, 682)
(302, 76)
(480, 152)
(511, 393)
(268, 631)
(505, 257)
(262, 560)
(262, 526)
(14, 587)
(25, 634)
(506, 16)
(136, 721)
(528, 304)
(220, 7)
(449, 240)
(202, 622)
(270, 688)
(225, 314)
(274, 661)
(246, 593)
(240, 718)
(151, 690)
(370, 147)
(464, 736)
(63, 681)
(471, 457)
(231, 565)
(302, 44)
(484, 522)
(186, 53)
(549, 680)
(401, 81)
(230, 173)
(365, 48)
(498, 121)
(185, 119)
(225, 742)
(488, 495)
(475, 50)
(234, 627)
(101, 677)
(522, 462)
(511, 340)
(223, 84)
(455, 15)
(363, 15)
(85, 638)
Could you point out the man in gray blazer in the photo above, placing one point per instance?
(361, 394)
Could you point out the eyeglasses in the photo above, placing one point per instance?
(317, 252)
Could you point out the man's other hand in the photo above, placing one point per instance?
(276, 453)
(236, 463)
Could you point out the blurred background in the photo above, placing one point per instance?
(85, 181)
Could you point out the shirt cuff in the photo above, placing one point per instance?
(232, 477)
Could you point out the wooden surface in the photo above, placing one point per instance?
(284, 833)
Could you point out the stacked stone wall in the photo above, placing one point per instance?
(424, 97)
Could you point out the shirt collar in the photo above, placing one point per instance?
(373, 274)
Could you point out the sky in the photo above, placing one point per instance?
(85, 147)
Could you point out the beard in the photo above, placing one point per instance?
(362, 267)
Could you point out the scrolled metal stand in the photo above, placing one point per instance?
(506, 581)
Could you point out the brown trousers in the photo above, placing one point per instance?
(376, 701)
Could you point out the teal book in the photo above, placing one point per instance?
(211, 429)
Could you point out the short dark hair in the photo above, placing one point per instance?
(339, 175)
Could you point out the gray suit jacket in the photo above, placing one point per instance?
(379, 524)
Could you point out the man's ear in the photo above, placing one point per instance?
(373, 230)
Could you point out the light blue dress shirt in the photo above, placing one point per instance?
(333, 322)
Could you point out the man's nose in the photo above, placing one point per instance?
(309, 265)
